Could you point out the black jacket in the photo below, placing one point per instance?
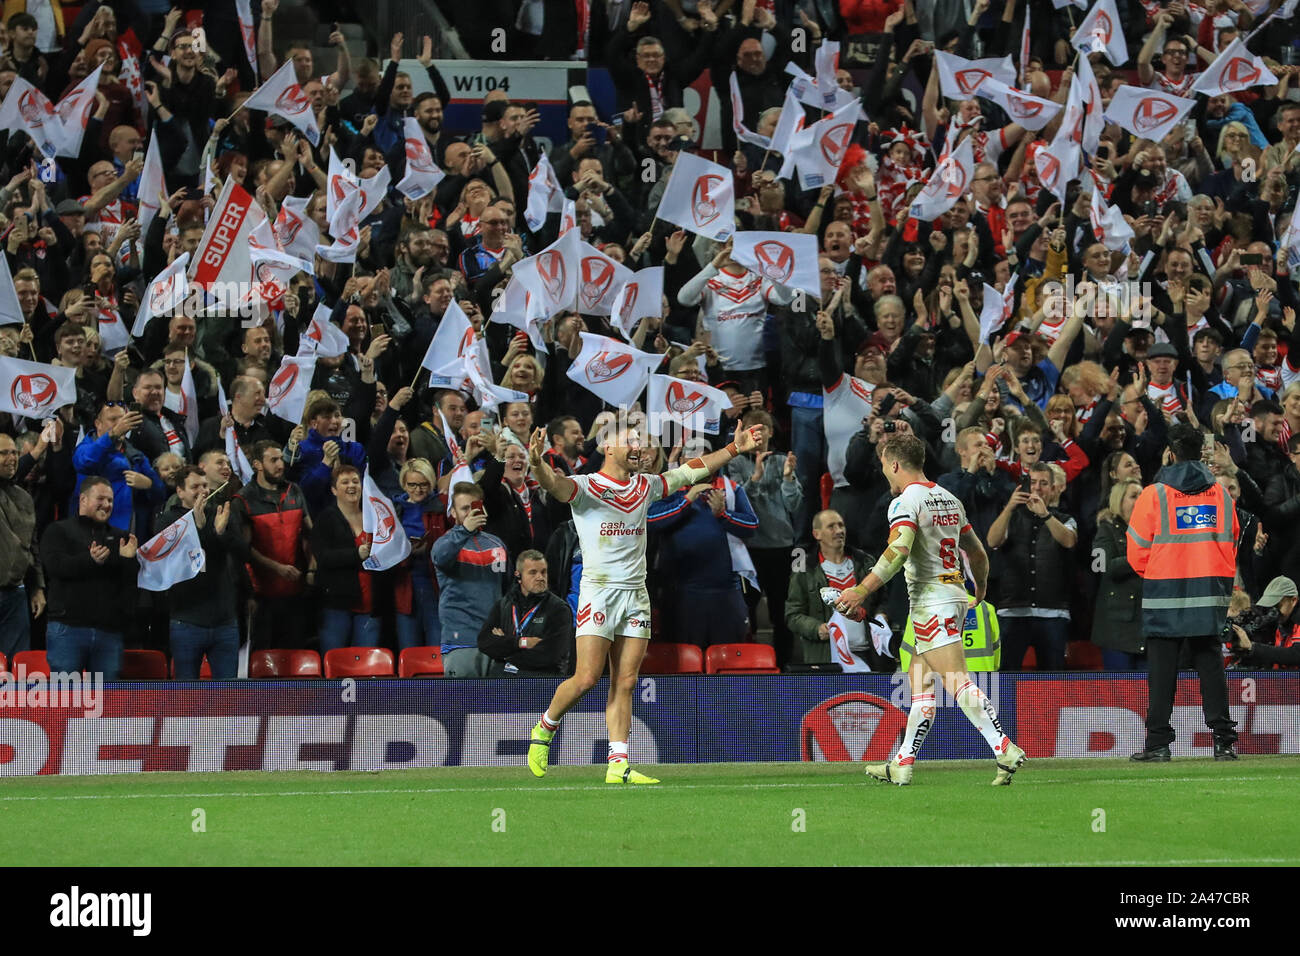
(152, 441)
(79, 592)
(1118, 622)
(338, 565)
(507, 517)
(552, 622)
(1037, 568)
(209, 598)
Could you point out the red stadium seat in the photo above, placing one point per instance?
(284, 663)
(827, 487)
(662, 657)
(143, 665)
(359, 662)
(740, 659)
(1082, 656)
(420, 662)
(205, 670)
(4, 664)
(34, 661)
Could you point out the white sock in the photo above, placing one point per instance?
(549, 722)
(919, 721)
(618, 751)
(979, 710)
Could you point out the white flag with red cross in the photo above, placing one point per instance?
(1058, 163)
(74, 113)
(1234, 70)
(820, 149)
(612, 370)
(743, 132)
(1083, 120)
(551, 277)
(787, 258)
(640, 297)
(295, 233)
(322, 337)
(164, 294)
(153, 183)
(691, 405)
(282, 96)
(389, 545)
(1102, 31)
(171, 556)
(28, 109)
(452, 339)
(1031, 112)
(700, 198)
(1109, 227)
(545, 195)
(422, 173)
(245, 14)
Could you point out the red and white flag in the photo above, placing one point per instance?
(820, 149)
(599, 280)
(1102, 31)
(692, 405)
(164, 294)
(1083, 120)
(515, 307)
(551, 276)
(640, 297)
(287, 394)
(1147, 114)
(545, 194)
(132, 79)
(34, 389)
(791, 122)
(568, 215)
(806, 91)
(153, 183)
(960, 78)
(340, 183)
(246, 32)
(113, 334)
(612, 370)
(389, 545)
(422, 173)
(74, 112)
(224, 253)
(1059, 4)
(282, 96)
(28, 109)
(738, 126)
(700, 198)
(996, 309)
(1234, 70)
(322, 337)
(1058, 163)
(295, 233)
(345, 229)
(487, 393)
(787, 258)
(950, 181)
(1031, 112)
(373, 190)
(1108, 224)
(171, 556)
(453, 338)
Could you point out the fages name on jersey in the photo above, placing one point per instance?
(934, 567)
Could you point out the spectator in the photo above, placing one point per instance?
(517, 515)
(137, 488)
(160, 429)
(274, 523)
(530, 631)
(839, 567)
(429, 441)
(423, 513)
(471, 567)
(204, 619)
(321, 451)
(90, 569)
(22, 583)
(1035, 539)
(1117, 626)
(1281, 594)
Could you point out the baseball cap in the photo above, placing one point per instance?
(1162, 350)
(69, 207)
(1136, 329)
(1280, 587)
(1026, 337)
(876, 340)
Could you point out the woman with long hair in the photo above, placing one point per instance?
(1117, 626)
(423, 513)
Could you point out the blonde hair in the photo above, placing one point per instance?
(1090, 375)
(507, 379)
(1063, 403)
(1115, 502)
(422, 468)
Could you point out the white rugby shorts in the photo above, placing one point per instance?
(938, 624)
(613, 612)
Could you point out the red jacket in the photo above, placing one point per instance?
(867, 16)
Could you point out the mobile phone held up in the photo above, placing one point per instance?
(886, 406)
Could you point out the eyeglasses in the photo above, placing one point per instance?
(418, 485)
(1175, 51)
(1240, 366)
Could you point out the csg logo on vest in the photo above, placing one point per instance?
(1196, 517)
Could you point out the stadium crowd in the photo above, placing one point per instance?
(1047, 432)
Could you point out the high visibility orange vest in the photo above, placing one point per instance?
(1185, 548)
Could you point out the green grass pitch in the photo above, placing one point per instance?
(1185, 813)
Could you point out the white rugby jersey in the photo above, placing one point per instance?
(610, 518)
(1165, 397)
(934, 569)
(844, 406)
(733, 308)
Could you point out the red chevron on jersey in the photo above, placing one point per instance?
(736, 293)
(927, 631)
(843, 583)
(626, 501)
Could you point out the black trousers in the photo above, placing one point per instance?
(772, 565)
(1162, 682)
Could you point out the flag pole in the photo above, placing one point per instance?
(417, 377)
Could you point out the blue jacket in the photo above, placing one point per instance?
(100, 457)
(473, 573)
(313, 475)
(695, 550)
(1237, 113)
